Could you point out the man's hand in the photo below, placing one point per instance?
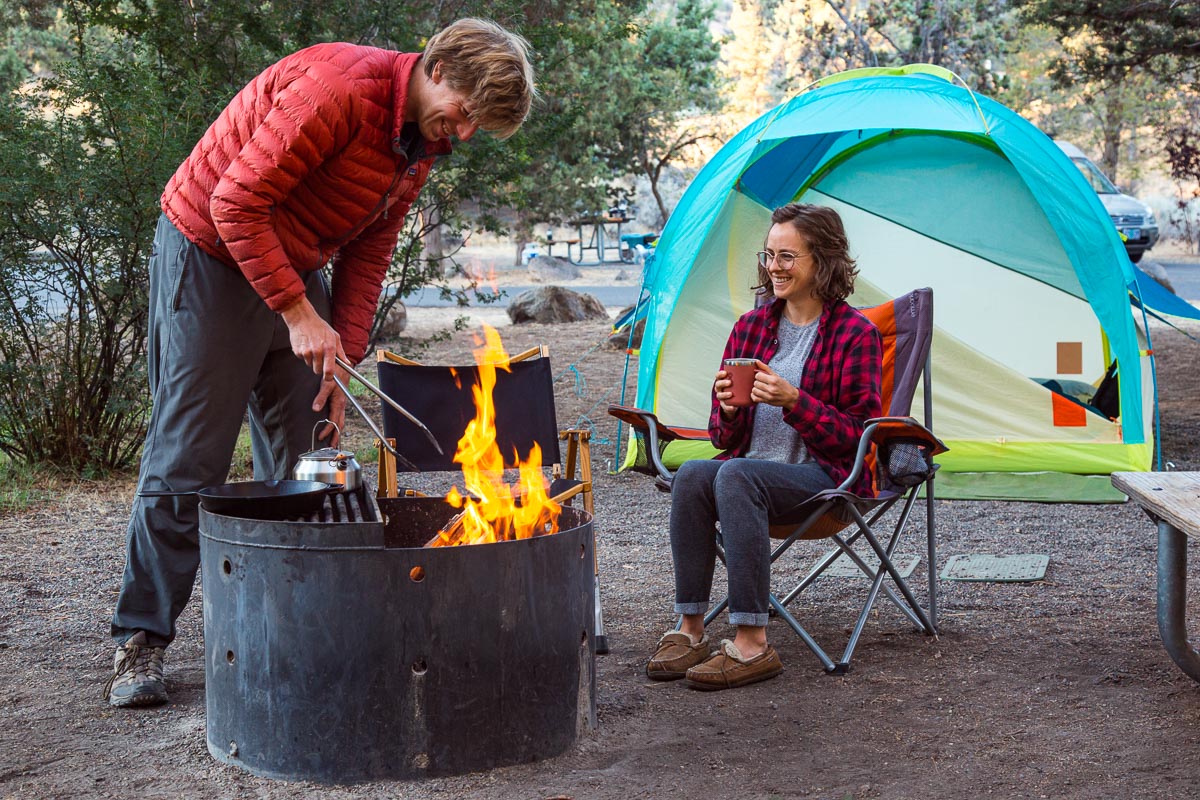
(313, 340)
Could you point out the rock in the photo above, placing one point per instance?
(394, 323)
(620, 339)
(1158, 272)
(554, 304)
(552, 269)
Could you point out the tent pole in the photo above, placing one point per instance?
(625, 372)
(1153, 378)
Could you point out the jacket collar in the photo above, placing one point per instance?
(402, 72)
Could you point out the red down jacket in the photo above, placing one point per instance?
(299, 168)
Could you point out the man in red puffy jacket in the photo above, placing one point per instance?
(315, 162)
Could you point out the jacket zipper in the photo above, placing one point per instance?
(374, 212)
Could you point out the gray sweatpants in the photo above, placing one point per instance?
(214, 349)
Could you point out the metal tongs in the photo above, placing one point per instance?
(371, 423)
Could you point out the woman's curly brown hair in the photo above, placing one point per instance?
(821, 227)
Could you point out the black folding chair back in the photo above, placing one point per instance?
(444, 399)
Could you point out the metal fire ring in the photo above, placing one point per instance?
(342, 652)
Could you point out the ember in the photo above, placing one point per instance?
(493, 510)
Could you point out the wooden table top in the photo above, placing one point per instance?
(1171, 496)
(598, 221)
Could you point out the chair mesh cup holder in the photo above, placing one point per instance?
(906, 463)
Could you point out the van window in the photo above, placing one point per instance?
(1096, 179)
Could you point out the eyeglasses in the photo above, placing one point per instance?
(783, 258)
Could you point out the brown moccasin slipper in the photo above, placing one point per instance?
(728, 670)
(676, 653)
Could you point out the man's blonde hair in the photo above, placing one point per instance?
(491, 65)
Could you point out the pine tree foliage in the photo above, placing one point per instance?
(100, 100)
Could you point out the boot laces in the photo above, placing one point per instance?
(143, 662)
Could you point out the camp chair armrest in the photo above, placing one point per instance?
(643, 420)
(860, 463)
(646, 423)
(882, 430)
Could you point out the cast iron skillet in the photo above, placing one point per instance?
(260, 499)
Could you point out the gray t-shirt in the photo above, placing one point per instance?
(772, 439)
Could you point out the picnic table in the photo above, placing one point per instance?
(550, 241)
(593, 237)
(1172, 500)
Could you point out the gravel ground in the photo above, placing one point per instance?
(1054, 689)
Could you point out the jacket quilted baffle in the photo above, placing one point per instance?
(305, 164)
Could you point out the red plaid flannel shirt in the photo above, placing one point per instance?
(839, 390)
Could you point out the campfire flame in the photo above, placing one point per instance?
(491, 511)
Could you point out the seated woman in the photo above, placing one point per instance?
(818, 381)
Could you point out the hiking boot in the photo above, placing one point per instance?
(137, 678)
(675, 654)
(727, 669)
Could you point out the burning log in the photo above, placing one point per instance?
(452, 533)
(449, 534)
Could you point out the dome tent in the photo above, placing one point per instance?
(938, 187)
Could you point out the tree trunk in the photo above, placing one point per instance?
(1112, 123)
(522, 232)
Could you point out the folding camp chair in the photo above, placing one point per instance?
(896, 448)
(441, 397)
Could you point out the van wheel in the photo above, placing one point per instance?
(1136, 257)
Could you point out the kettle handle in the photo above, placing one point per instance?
(319, 424)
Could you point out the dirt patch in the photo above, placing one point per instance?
(1055, 689)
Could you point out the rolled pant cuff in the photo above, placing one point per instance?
(748, 618)
(691, 608)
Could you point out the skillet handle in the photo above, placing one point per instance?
(168, 494)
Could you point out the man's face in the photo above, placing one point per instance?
(446, 112)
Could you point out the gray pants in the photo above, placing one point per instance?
(745, 495)
(214, 349)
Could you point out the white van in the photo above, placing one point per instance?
(1133, 218)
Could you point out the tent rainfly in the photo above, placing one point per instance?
(937, 187)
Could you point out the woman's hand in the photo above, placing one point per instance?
(723, 386)
(772, 389)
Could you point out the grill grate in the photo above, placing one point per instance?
(351, 506)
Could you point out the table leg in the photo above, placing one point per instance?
(620, 244)
(1172, 599)
(581, 248)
